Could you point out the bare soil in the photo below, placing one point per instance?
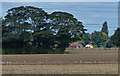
(61, 69)
(84, 62)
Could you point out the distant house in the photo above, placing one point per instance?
(89, 46)
(75, 45)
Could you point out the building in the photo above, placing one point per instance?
(75, 45)
(89, 46)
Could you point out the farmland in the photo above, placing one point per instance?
(84, 62)
(61, 69)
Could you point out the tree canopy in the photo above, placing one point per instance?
(28, 29)
(105, 28)
(31, 30)
(99, 38)
(116, 38)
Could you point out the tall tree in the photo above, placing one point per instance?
(25, 27)
(20, 24)
(67, 29)
(105, 28)
(116, 38)
(0, 34)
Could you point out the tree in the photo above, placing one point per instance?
(81, 42)
(116, 38)
(99, 38)
(0, 35)
(104, 39)
(1, 28)
(28, 29)
(86, 38)
(105, 28)
(109, 43)
(20, 24)
(67, 29)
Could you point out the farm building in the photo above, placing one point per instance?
(89, 46)
(75, 45)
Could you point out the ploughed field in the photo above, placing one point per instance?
(84, 57)
(84, 62)
(61, 69)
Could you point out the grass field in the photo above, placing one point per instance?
(81, 62)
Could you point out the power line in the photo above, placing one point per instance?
(113, 28)
(99, 26)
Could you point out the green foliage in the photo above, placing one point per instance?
(81, 42)
(95, 46)
(105, 28)
(109, 43)
(32, 30)
(116, 38)
(99, 38)
(86, 38)
(67, 28)
(19, 26)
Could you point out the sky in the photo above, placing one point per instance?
(59, 0)
(92, 14)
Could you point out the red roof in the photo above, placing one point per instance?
(90, 44)
(74, 43)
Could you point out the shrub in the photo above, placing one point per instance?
(95, 46)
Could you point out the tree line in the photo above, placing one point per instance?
(101, 38)
(31, 30)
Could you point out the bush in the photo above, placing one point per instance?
(55, 52)
(95, 46)
(58, 52)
